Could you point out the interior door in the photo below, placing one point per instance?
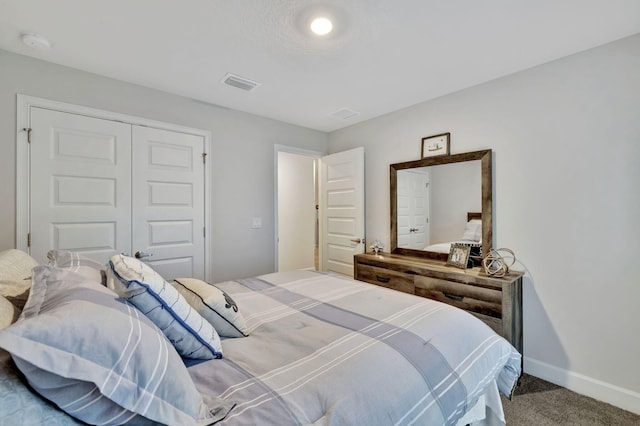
(341, 210)
(412, 209)
(168, 204)
(80, 178)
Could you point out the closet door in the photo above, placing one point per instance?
(80, 179)
(168, 201)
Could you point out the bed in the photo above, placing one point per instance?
(307, 348)
(472, 237)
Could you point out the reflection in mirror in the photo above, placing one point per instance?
(440, 200)
(434, 202)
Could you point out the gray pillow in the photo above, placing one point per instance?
(98, 358)
(135, 281)
(78, 263)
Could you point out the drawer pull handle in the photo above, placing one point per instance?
(382, 279)
(454, 296)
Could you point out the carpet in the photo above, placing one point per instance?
(539, 403)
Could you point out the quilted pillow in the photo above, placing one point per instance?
(16, 291)
(98, 358)
(214, 305)
(16, 265)
(15, 276)
(136, 282)
(7, 313)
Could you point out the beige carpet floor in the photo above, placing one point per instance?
(540, 403)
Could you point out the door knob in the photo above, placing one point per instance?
(357, 240)
(141, 254)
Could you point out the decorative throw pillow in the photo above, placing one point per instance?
(98, 358)
(214, 305)
(16, 292)
(15, 276)
(78, 263)
(136, 282)
(16, 265)
(7, 313)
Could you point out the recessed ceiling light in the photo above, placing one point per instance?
(321, 26)
(34, 40)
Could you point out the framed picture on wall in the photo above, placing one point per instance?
(459, 255)
(436, 145)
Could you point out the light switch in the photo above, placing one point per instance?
(256, 223)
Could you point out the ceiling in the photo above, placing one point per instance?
(382, 55)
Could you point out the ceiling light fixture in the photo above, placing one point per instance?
(321, 26)
(34, 40)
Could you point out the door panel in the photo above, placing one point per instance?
(341, 210)
(413, 210)
(168, 207)
(80, 175)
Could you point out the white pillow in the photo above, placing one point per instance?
(473, 231)
(214, 305)
(16, 265)
(190, 333)
(7, 313)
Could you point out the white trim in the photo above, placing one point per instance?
(620, 397)
(292, 150)
(23, 105)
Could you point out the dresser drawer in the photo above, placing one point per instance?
(385, 277)
(471, 298)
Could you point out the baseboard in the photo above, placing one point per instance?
(602, 391)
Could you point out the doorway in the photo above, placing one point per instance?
(335, 217)
(296, 209)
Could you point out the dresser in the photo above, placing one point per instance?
(496, 301)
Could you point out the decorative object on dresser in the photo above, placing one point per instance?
(435, 145)
(496, 301)
(494, 263)
(459, 255)
(377, 247)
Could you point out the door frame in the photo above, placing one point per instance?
(291, 150)
(23, 105)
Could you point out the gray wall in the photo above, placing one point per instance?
(242, 157)
(566, 142)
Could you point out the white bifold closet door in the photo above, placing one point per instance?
(102, 187)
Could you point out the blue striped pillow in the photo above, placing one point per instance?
(135, 281)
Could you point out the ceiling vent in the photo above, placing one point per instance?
(240, 82)
(344, 114)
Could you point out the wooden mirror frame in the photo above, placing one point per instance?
(487, 198)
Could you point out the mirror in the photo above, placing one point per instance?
(433, 199)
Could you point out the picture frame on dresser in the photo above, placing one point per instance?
(459, 255)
